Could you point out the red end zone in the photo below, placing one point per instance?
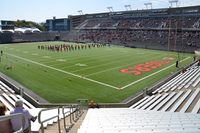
(146, 67)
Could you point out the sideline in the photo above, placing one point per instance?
(72, 74)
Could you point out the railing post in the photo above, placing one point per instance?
(70, 115)
(59, 119)
(50, 118)
(39, 120)
(73, 116)
(67, 127)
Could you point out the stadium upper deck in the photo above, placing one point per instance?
(165, 12)
(176, 29)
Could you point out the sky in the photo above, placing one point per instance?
(40, 10)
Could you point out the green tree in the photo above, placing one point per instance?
(30, 24)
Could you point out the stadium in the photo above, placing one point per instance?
(134, 71)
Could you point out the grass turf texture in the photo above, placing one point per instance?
(50, 74)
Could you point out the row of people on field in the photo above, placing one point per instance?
(67, 47)
(15, 124)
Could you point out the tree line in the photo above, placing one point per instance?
(23, 23)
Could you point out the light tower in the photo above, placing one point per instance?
(128, 7)
(110, 8)
(149, 4)
(80, 12)
(173, 2)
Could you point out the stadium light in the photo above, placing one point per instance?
(148, 4)
(110, 8)
(127, 7)
(80, 12)
(173, 1)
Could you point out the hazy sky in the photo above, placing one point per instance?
(40, 10)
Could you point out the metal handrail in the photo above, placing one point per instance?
(11, 116)
(50, 118)
(74, 113)
(74, 110)
(66, 114)
(78, 111)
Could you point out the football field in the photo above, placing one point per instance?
(101, 73)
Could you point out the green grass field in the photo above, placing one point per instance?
(94, 74)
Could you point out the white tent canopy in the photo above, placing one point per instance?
(7, 31)
(21, 30)
(26, 30)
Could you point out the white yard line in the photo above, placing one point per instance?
(151, 74)
(106, 70)
(74, 62)
(118, 60)
(103, 64)
(91, 74)
(72, 74)
(78, 70)
(88, 75)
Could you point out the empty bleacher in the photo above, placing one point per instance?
(172, 108)
(180, 94)
(172, 102)
(185, 80)
(189, 102)
(126, 120)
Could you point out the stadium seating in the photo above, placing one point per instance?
(157, 101)
(196, 108)
(155, 39)
(140, 22)
(157, 107)
(150, 104)
(5, 87)
(8, 97)
(164, 111)
(189, 102)
(180, 94)
(126, 120)
(172, 101)
(182, 81)
(161, 112)
(145, 32)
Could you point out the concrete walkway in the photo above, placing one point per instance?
(54, 127)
